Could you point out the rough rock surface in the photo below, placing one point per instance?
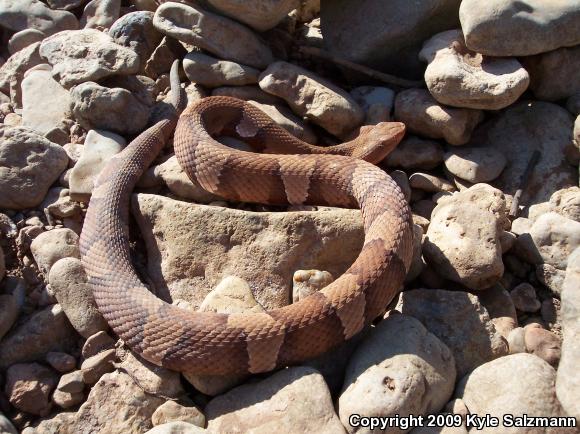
(51, 246)
(100, 14)
(211, 72)
(172, 411)
(12, 72)
(481, 164)
(18, 15)
(28, 387)
(258, 14)
(415, 153)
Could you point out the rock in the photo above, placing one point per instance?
(101, 108)
(376, 102)
(61, 362)
(566, 202)
(96, 366)
(517, 384)
(99, 148)
(66, 400)
(543, 343)
(44, 331)
(172, 411)
(232, 295)
(46, 105)
(475, 165)
(211, 72)
(135, 30)
(34, 164)
(68, 281)
(71, 382)
(554, 75)
(247, 93)
(176, 428)
(58, 203)
(50, 246)
(426, 182)
(399, 368)
(96, 343)
(422, 115)
(415, 153)
(524, 298)
(289, 121)
(459, 77)
(101, 56)
(100, 14)
(313, 97)
(472, 344)
(177, 247)
(259, 15)
(28, 387)
(6, 426)
(12, 72)
(292, 400)
(65, 5)
(385, 36)
(501, 309)
(18, 15)
(215, 34)
(518, 28)
(306, 282)
(2, 272)
(11, 303)
(402, 181)
(22, 39)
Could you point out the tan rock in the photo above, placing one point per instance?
(172, 411)
(260, 15)
(232, 295)
(51, 246)
(306, 282)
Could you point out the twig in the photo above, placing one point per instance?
(524, 182)
(373, 73)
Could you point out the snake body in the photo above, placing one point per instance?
(214, 343)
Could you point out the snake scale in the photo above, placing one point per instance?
(217, 344)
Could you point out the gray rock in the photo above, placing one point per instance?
(258, 14)
(519, 28)
(11, 303)
(22, 39)
(61, 362)
(459, 77)
(524, 298)
(100, 14)
(415, 153)
(481, 164)
(6, 426)
(472, 344)
(51, 246)
(422, 115)
(12, 72)
(96, 343)
(34, 164)
(98, 365)
(71, 382)
(247, 93)
(66, 399)
(430, 183)
(65, 5)
(399, 368)
(211, 72)
(377, 103)
(218, 35)
(313, 97)
(18, 15)
(28, 387)
(101, 56)
(383, 35)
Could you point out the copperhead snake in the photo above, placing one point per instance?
(216, 344)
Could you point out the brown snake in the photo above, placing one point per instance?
(213, 343)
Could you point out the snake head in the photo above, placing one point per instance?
(375, 142)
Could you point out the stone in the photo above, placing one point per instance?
(61, 362)
(67, 400)
(424, 116)
(101, 56)
(22, 39)
(543, 343)
(71, 382)
(18, 15)
(2, 271)
(247, 93)
(102, 108)
(402, 181)
(96, 366)
(566, 202)
(313, 97)
(459, 77)
(220, 36)
(306, 282)
(232, 295)
(554, 75)
(472, 344)
(68, 281)
(211, 72)
(10, 307)
(176, 428)
(288, 120)
(50, 246)
(58, 203)
(100, 14)
(100, 146)
(29, 164)
(97, 343)
(65, 5)
(517, 384)
(260, 15)
(524, 298)
(481, 164)
(176, 235)
(399, 368)
(519, 28)
(385, 36)
(291, 400)
(376, 102)
(500, 307)
(516, 340)
(12, 72)
(415, 153)
(45, 105)
(6, 426)
(430, 183)
(28, 387)
(172, 411)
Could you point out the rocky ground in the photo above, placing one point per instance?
(488, 322)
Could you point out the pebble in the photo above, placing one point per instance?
(543, 343)
(100, 146)
(211, 72)
(59, 203)
(102, 108)
(101, 56)
(98, 365)
(377, 103)
(424, 116)
(430, 183)
(247, 93)
(12, 72)
(481, 164)
(415, 153)
(172, 411)
(524, 298)
(307, 282)
(232, 295)
(399, 368)
(68, 281)
(51, 246)
(472, 344)
(28, 387)
(100, 14)
(516, 340)
(257, 14)
(22, 39)
(71, 382)
(295, 399)
(459, 77)
(176, 428)
(519, 28)
(61, 362)
(215, 34)
(313, 97)
(66, 399)
(35, 163)
(97, 343)
(288, 120)
(17, 15)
